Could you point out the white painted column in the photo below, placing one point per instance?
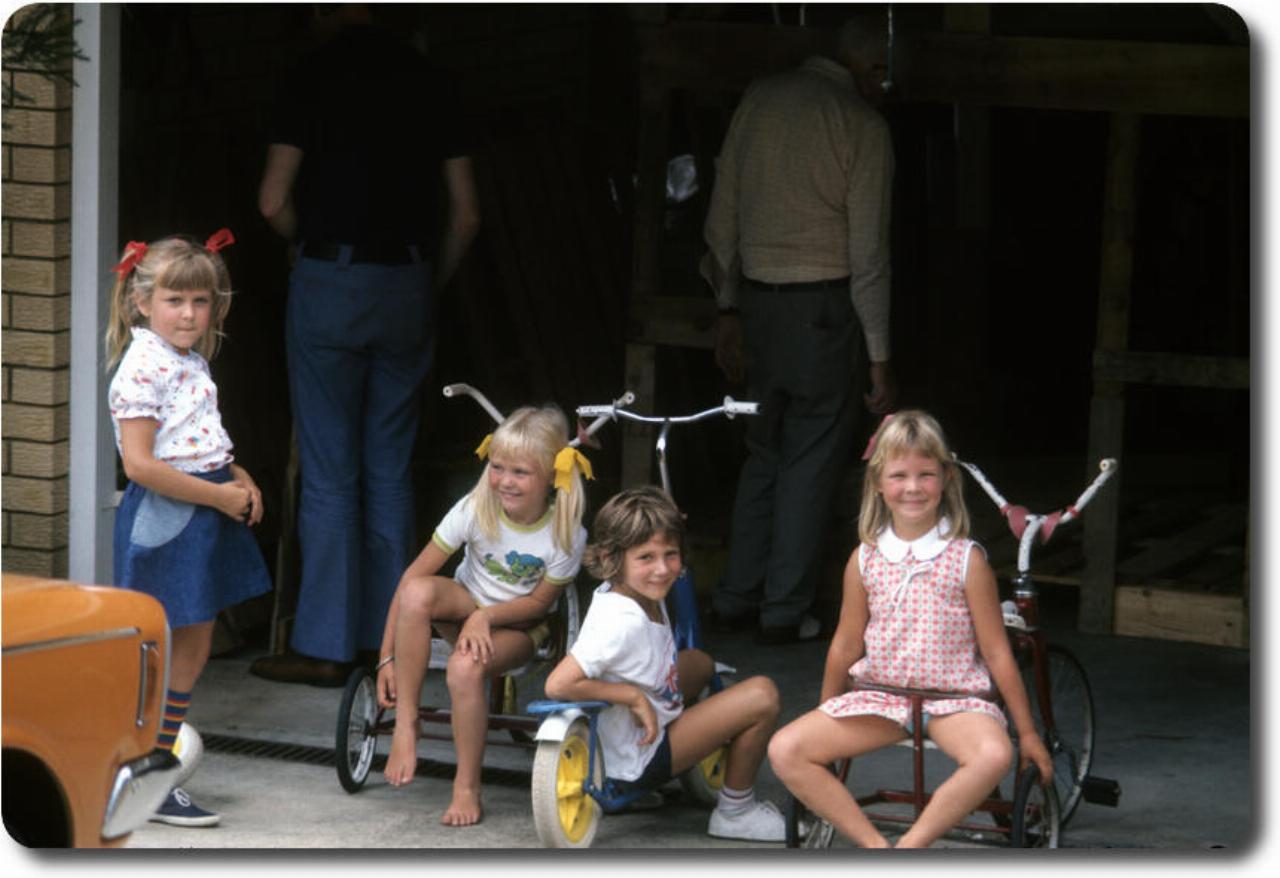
(94, 239)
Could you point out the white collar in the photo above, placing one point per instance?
(923, 548)
(149, 336)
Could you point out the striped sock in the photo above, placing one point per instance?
(176, 705)
(734, 802)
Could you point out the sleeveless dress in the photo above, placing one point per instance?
(919, 633)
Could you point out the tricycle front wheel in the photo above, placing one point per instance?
(564, 815)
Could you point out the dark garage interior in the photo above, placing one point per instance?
(1072, 233)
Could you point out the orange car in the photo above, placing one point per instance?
(85, 671)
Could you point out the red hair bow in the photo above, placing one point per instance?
(219, 239)
(133, 253)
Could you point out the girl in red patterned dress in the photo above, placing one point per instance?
(921, 611)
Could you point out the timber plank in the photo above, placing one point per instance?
(977, 69)
(1140, 367)
(1224, 522)
(1071, 74)
(1182, 614)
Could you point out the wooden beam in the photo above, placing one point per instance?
(723, 55)
(1060, 74)
(1106, 410)
(1182, 614)
(1065, 74)
(676, 321)
(1222, 524)
(1134, 367)
(637, 439)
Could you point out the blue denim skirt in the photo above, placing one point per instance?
(193, 559)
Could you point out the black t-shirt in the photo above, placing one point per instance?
(374, 120)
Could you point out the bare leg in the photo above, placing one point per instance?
(467, 681)
(801, 752)
(188, 654)
(983, 753)
(695, 668)
(744, 714)
(421, 601)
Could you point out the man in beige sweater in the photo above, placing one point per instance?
(798, 233)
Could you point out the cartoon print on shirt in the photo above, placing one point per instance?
(669, 692)
(520, 568)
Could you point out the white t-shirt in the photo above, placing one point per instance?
(510, 567)
(155, 380)
(620, 644)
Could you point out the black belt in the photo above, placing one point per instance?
(384, 254)
(807, 286)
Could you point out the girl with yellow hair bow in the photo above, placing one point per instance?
(522, 537)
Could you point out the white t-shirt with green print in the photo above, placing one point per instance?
(511, 566)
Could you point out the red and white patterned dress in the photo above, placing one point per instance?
(919, 632)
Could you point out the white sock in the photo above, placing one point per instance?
(733, 802)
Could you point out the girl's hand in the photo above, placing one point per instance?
(387, 685)
(475, 639)
(646, 717)
(241, 477)
(234, 501)
(1032, 749)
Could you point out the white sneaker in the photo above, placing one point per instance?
(762, 821)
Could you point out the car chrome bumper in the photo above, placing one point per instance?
(139, 789)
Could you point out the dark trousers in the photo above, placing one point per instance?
(805, 365)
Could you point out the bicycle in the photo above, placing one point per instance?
(361, 720)
(570, 789)
(1061, 704)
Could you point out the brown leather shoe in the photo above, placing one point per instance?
(293, 667)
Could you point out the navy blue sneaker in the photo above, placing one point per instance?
(178, 810)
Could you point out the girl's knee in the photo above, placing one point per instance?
(785, 749)
(464, 674)
(764, 695)
(697, 661)
(993, 753)
(418, 597)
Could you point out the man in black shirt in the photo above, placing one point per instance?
(365, 134)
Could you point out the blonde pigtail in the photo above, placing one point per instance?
(120, 321)
(571, 504)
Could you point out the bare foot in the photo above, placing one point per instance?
(465, 808)
(402, 761)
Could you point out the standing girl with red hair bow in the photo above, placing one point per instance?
(181, 531)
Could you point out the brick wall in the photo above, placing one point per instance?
(35, 278)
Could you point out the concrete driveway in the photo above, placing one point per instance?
(1173, 727)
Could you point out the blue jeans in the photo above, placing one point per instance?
(360, 339)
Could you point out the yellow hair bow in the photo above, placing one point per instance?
(564, 467)
(483, 450)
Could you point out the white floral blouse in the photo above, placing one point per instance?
(155, 380)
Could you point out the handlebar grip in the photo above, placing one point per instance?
(451, 389)
(734, 407)
(1106, 464)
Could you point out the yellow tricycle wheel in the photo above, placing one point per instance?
(564, 815)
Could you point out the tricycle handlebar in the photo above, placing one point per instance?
(460, 389)
(1025, 524)
(729, 408)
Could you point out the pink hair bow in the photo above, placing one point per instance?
(133, 253)
(871, 443)
(219, 239)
